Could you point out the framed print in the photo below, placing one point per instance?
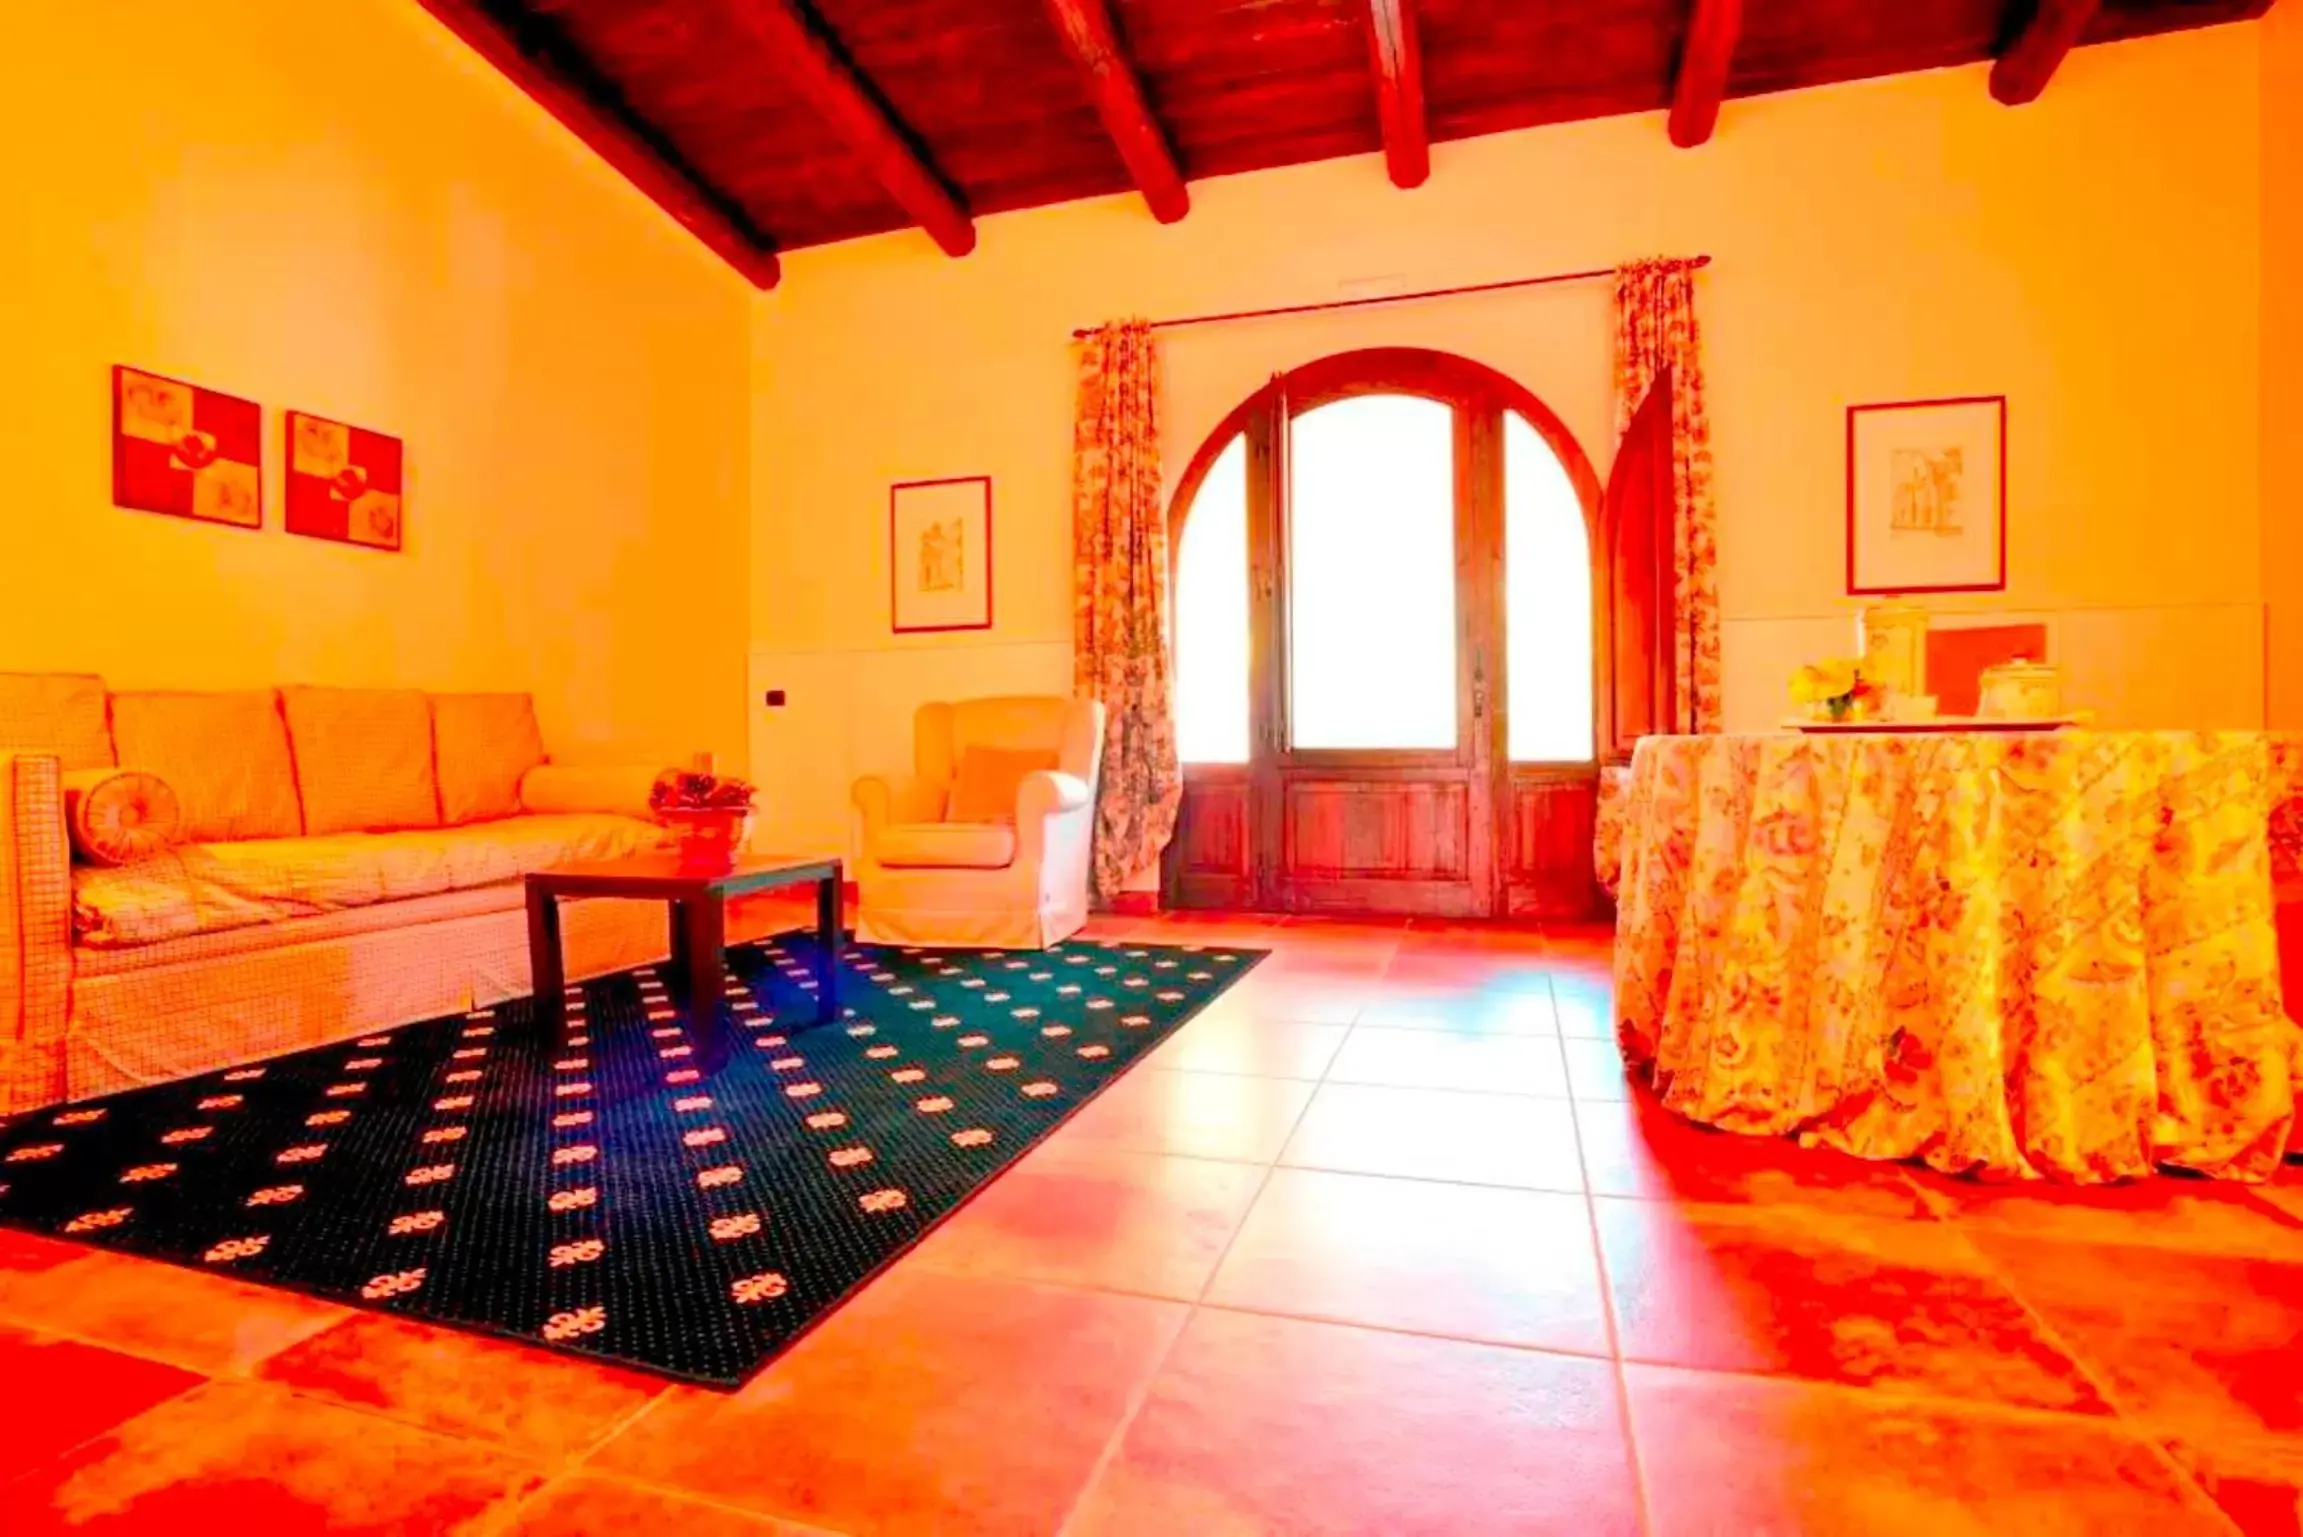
(343, 482)
(940, 554)
(186, 451)
(1927, 496)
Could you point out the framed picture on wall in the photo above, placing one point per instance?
(186, 451)
(1927, 496)
(940, 554)
(343, 482)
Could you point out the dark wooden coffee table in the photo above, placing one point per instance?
(699, 922)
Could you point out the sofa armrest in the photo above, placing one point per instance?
(561, 787)
(890, 798)
(35, 931)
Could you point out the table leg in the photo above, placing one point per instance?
(544, 969)
(703, 958)
(830, 935)
(676, 953)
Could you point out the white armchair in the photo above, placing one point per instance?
(986, 842)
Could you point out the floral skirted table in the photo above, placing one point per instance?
(2018, 955)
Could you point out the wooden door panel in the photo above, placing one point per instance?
(1210, 861)
(1344, 829)
(1636, 528)
(1446, 831)
(1547, 846)
(1394, 898)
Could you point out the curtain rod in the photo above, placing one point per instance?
(1084, 332)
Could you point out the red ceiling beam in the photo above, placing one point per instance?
(1712, 30)
(843, 98)
(2026, 65)
(667, 184)
(1397, 56)
(1095, 46)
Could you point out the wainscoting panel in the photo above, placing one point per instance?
(2178, 666)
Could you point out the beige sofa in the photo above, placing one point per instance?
(347, 860)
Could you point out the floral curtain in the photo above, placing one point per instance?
(1119, 599)
(1658, 339)
(1656, 336)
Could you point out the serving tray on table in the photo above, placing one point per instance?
(1942, 723)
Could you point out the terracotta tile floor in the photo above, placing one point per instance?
(1381, 1243)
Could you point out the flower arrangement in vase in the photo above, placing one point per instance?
(1836, 691)
(709, 816)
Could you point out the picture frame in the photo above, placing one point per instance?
(1927, 496)
(940, 555)
(342, 482)
(185, 451)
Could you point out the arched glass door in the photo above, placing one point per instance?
(1384, 642)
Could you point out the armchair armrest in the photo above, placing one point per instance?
(1044, 793)
(1052, 810)
(35, 931)
(562, 787)
(889, 798)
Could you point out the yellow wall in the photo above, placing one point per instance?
(2283, 357)
(338, 207)
(2094, 257)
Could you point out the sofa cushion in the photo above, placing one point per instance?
(984, 790)
(481, 745)
(207, 888)
(363, 758)
(116, 816)
(321, 928)
(946, 845)
(225, 755)
(56, 714)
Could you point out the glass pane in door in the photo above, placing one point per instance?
(1371, 574)
(1211, 650)
(1547, 603)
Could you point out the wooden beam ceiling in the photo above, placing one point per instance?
(1713, 28)
(791, 123)
(1396, 53)
(1094, 44)
(2026, 64)
(647, 165)
(789, 39)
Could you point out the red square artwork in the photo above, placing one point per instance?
(185, 451)
(343, 482)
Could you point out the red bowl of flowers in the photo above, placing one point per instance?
(709, 817)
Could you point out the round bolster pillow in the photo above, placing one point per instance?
(116, 816)
(559, 787)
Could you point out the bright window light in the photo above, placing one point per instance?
(1547, 602)
(1371, 594)
(1211, 687)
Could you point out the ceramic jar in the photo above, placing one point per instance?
(2021, 690)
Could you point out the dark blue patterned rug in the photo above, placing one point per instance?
(615, 1188)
